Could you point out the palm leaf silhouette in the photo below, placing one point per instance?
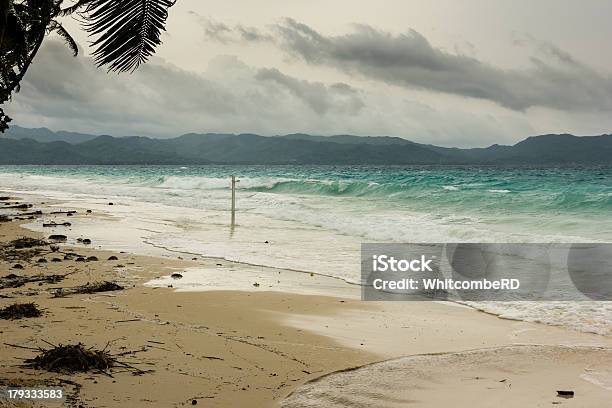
(127, 31)
(61, 31)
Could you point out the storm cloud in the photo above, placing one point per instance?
(554, 80)
(320, 97)
(160, 99)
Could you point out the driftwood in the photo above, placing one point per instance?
(88, 289)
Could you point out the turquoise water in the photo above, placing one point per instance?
(557, 201)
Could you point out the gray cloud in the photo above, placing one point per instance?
(160, 99)
(320, 97)
(223, 33)
(556, 81)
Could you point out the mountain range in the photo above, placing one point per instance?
(43, 146)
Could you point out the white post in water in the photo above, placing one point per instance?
(234, 181)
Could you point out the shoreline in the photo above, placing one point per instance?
(228, 348)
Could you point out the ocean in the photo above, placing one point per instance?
(314, 218)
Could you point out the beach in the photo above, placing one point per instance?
(260, 344)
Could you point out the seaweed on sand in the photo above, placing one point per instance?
(19, 311)
(71, 359)
(76, 358)
(21, 249)
(15, 281)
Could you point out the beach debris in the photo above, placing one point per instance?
(88, 288)
(56, 260)
(64, 212)
(71, 359)
(58, 237)
(111, 204)
(54, 224)
(20, 206)
(14, 281)
(32, 213)
(565, 394)
(267, 242)
(256, 284)
(113, 258)
(92, 258)
(176, 276)
(25, 242)
(4, 198)
(21, 249)
(88, 211)
(19, 311)
(18, 266)
(54, 248)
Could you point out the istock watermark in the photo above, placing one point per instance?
(486, 272)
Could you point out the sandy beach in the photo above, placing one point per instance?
(257, 347)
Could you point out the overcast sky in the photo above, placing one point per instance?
(447, 72)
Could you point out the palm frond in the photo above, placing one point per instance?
(67, 11)
(61, 31)
(127, 31)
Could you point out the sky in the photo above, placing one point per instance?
(452, 73)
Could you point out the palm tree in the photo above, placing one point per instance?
(125, 34)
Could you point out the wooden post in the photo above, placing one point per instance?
(233, 200)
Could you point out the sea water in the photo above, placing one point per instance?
(313, 218)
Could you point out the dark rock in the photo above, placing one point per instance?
(58, 237)
(113, 258)
(194, 402)
(80, 259)
(565, 394)
(88, 211)
(256, 284)
(176, 276)
(18, 266)
(79, 239)
(86, 241)
(69, 214)
(267, 242)
(92, 259)
(4, 218)
(54, 248)
(111, 204)
(42, 260)
(3, 198)
(56, 260)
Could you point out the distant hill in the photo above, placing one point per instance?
(43, 146)
(45, 135)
